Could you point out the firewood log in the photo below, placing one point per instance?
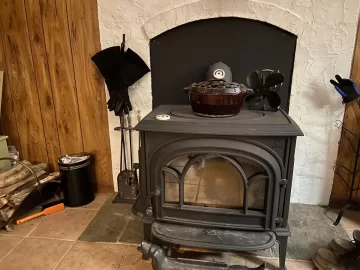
(17, 196)
(14, 170)
(17, 200)
(6, 212)
(12, 196)
(50, 177)
(3, 202)
(24, 182)
(21, 175)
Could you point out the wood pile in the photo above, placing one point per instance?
(18, 182)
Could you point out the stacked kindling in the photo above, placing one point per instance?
(17, 183)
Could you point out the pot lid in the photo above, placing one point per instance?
(217, 87)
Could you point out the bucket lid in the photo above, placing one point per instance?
(74, 158)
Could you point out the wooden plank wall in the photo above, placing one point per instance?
(54, 99)
(351, 121)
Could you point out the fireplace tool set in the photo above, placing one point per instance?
(121, 69)
(128, 184)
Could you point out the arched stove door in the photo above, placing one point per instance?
(217, 183)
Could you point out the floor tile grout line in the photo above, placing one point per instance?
(127, 244)
(274, 258)
(52, 238)
(12, 235)
(25, 236)
(123, 230)
(36, 226)
(49, 238)
(12, 249)
(62, 257)
(87, 225)
(79, 208)
(345, 229)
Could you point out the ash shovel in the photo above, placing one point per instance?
(127, 188)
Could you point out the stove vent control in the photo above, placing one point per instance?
(163, 117)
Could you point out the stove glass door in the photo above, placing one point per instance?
(215, 182)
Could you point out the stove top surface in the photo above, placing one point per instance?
(181, 119)
(245, 115)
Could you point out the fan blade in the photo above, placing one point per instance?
(253, 80)
(273, 99)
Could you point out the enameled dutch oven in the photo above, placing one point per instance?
(216, 98)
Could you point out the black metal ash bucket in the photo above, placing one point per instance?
(76, 179)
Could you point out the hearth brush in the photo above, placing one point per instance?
(47, 209)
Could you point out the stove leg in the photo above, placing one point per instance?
(147, 232)
(282, 240)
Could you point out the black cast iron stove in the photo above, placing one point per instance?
(215, 183)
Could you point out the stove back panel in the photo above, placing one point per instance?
(182, 55)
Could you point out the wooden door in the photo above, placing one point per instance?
(54, 98)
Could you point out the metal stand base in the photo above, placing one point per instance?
(340, 169)
(118, 199)
(343, 209)
(127, 193)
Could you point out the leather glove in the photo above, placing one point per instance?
(120, 70)
(119, 102)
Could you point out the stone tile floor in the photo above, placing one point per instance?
(52, 243)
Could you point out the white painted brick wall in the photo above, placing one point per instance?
(326, 34)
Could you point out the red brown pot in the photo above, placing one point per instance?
(216, 98)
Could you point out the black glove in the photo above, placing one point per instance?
(119, 102)
(346, 88)
(110, 62)
(120, 70)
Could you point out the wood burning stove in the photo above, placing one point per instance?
(219, 183)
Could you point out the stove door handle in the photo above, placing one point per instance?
(155, 193)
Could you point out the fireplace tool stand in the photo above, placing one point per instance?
(127, 179)
(339, 168)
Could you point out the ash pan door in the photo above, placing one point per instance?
(216, 182)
